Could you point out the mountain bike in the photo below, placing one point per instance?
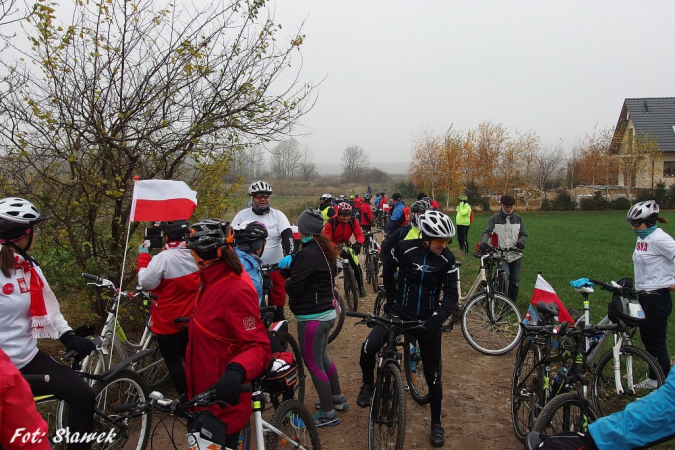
(372, 251)
(291, 425)
(351, 288)
(386, 421)
(113, 338)
(489, 319)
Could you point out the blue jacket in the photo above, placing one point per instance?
(644, 421)
(251, 264)
(396, 218)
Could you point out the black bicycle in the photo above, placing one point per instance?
(386, 422)
(373, 265)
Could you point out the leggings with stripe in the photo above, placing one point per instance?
(313, 340)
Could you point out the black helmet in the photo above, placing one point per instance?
(175, 229)
(250, 236)
(420, 206)
(207, 237)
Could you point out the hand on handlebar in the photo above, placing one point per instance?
(520, 246)
(285, 262)
(434, 325)
(228, 386)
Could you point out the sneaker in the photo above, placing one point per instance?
(339, 403)
(437, 437)
(366, 393)
(325, 419)
(648, 383)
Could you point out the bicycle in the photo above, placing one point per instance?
(489, 319)
(152, 367)
(372, 251)
(386, 420)
(291, 425)
(351, 288)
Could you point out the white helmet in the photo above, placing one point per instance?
(643, 211)
(259, 186)
(436, 225)
(17, 212)
(326, 197)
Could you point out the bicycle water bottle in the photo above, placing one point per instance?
(595, 340)
(558, 381)
(414, 357)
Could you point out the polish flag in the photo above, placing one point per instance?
(543, 292)
(162, 200)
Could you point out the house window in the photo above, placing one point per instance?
(669, 168)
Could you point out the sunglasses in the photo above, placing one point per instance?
(261, 196)
(440, 241)
(636, 224)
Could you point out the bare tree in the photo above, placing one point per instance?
(307, 169)
(355, 163)
(286, 159)
(136, 89)
(547, 164)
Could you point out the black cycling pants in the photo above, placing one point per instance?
(653, 329)
(463, 237)
(430, 349)
(173, 348)
(65, 384)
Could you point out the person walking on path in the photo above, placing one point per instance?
(506, 230)
(463, 222)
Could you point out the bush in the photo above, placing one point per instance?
(596, 203)
(562, 202)
(621, 204)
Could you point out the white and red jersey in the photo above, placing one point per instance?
(653, 261)
(173, 276)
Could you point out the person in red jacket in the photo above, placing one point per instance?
(21, 426)
(366, 213)
(228, 342)
(340, 230)
(173, 277)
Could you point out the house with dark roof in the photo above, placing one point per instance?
(644, 142)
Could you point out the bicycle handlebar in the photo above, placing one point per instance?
(30, 378)
(95, 278)
(386, 321)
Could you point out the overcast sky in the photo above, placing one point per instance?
(395, 68)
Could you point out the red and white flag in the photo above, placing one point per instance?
(543, 292)
(162, 200)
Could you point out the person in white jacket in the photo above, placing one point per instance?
(29, 310)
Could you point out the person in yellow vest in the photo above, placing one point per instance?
(463, 221)
(326, 207)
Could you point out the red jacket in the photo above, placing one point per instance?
(339, 232)
(383, 200)
(366, 214)
(357, 202)
(226, 328)
(406, 214)
(17, 410)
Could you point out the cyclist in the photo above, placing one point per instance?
(279, 240)
(29, 310)
(505, 230)
(397, 216)
(366, 221)
(326, 207)
(463, 220)
(18, 415)
(425, 269)
(410, 231)
(340, 230)
(173, 277)
(249, 238)
(654, 268)
(228, 342)
(356, 204)
(310, 291)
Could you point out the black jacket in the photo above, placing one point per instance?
(422, 277)
(309, 288)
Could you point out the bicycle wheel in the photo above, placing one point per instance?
(245, 437)
(379, 304)
(386, 425)
(152, 369)
(125, 387)
(369, 267)
(414, 370)
(291, 345)
(293, 420)
(565, 412)
(340, 319)
(635, 366)
(527, 389)
(354, 287)
(376, 272)
(51, 410)
(491, 325)
(351, 289)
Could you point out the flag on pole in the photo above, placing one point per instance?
(162, 200)
(543, 292)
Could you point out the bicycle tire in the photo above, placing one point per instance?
(369, 267)
(353, 285)
(345, 284)
(565, 412)
(376, 272)
(526, 389)
(245, 437)
(414, 372)
(379, 303)
(340, 319)
(294, 420)
(153, 369)
(603, 388)
(291, 345)
(351, 291)
(387, 411)
(491, 325)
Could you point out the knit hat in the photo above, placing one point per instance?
(310, 222)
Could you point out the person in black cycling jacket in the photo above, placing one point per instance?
(410, 231)
(425, 270)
